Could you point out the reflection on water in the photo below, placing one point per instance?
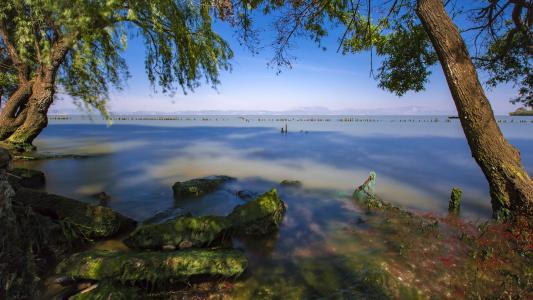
(310, 256)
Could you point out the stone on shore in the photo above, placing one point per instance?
(153, 267)
(291, 183)
(198, 187)
(260, 216)
(27, 178)
(183, 232)
(246, 195)
(92, 221)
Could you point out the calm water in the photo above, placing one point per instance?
(417, 160)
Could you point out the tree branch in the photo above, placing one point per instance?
(17, 62)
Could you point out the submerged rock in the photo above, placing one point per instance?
(246, 195)
(257, 217)
(260, 216)
(183, 232)
(153, 266)
(27, 178)
(30, 155)
(198, 187)
(90, 220)
(291, 183)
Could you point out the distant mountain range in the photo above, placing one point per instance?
(311, 110)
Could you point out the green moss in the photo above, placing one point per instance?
(109, 291)
(259, 216)
(153, 267)
(198, 187)
(91, 221)
(184, 231)
(455, 201)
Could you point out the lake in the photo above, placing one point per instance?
(418, 160)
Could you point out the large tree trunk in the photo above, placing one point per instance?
(13, 114)
(511, 188)
(36, 118)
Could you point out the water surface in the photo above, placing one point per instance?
(417, 160)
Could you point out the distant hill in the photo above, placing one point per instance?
(522, 112)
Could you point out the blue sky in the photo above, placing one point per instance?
(324, 79)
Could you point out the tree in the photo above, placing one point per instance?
(505, 30)
(412, 35)
(76, 45)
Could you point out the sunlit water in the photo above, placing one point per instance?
(417, 160)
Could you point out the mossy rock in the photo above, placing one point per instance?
(291, 183)
(153, 267)
(183, 232)
(260, 216)
(198, 187)
(90, 220)
(109, 291)
(27, 178)
(246, 195)
(454, 206)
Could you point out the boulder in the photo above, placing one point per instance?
(153, 267)
(5, 159)
(291, 183)
(183, 232)
(198, 187)
(259, 216)
(27, 178)
(91, 221)
(247, 195)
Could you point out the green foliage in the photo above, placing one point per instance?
(8, 77)
(408, 54)
(508, 59)
(181, 47)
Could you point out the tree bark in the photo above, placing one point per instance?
(42, 96)
(511, 188)
(36, 111)
(13, 114)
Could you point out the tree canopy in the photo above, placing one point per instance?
(181, 47)
(503, 44)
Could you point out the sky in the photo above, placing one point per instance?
(319, 81)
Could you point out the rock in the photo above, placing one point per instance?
(24, 155)
(260, 216)
(169, 248)
(5, 159)
(198, 187)
(454, 206)
(90, 220)
(109, 290)
(183, 232)
(27, 178)
(153, 267)
(186, 245)
(291, 183)
(247, 195)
